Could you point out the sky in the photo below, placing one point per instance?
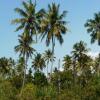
(78, 13)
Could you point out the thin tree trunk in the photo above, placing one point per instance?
(74, 75)
(51, 66)
(53, 45)
(59, 84)
(98, 70)
(36, 38)
(24, 76)
(47, 69)
(74, 71)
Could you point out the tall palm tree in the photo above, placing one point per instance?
(25, 50)
(93, 27)
(87, 63)
(30, 18)
(49, 57)
(53, 25)
(79, 50)
(38, 62)
(67, 62)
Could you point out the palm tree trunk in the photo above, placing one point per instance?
(36, 36)
(24, 76)
(98, 70)
(74, 71)
(51, 66)
(59, 84)
(53, 43)
(47, 68)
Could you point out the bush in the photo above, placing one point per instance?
(29, 92)
(7, 91)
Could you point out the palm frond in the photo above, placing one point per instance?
(26, 6)
(19, 28)
(18, 21)
(21, 12)
(63, 15)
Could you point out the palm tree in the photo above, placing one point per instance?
(30, 18)
(25, 50)
(20, 66)
(5, 66)
(38, 62)
(79, 51)
(67, 62)
(53, 25)
(49, 57)
(87, 63)
(93, 27)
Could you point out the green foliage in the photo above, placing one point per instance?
(67, 62)
(29, 92)
(93, 27)
(29, 77)
(7, 67)
(53, 26)
(17, 81)
(40, 79)
(80, 79)
(7, 91)
(38, 62)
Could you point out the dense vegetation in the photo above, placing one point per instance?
(21, 80)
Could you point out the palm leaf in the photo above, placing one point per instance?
(19, 28)
(21, 12)
(26, 6)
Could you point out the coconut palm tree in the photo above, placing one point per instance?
(20, 66)
(53, 25)
(30, 18)
(67, 62)
(79, 50)
(25, 50)
(93, 27)
(5, 66)
(38, 62)
(49, 57)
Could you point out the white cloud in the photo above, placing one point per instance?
(61, 69)
(93, 54)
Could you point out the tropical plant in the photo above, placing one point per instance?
(53, 25)
(29, 76)
(93, 27)
(49, 57)
(67, 62)
(40, 79)
(30, 18)
(79, 51)
(7, 67)
(7, 91)
(20, 66)
(97, 64)
(25, 50)
(29, 92)
(38, 62)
